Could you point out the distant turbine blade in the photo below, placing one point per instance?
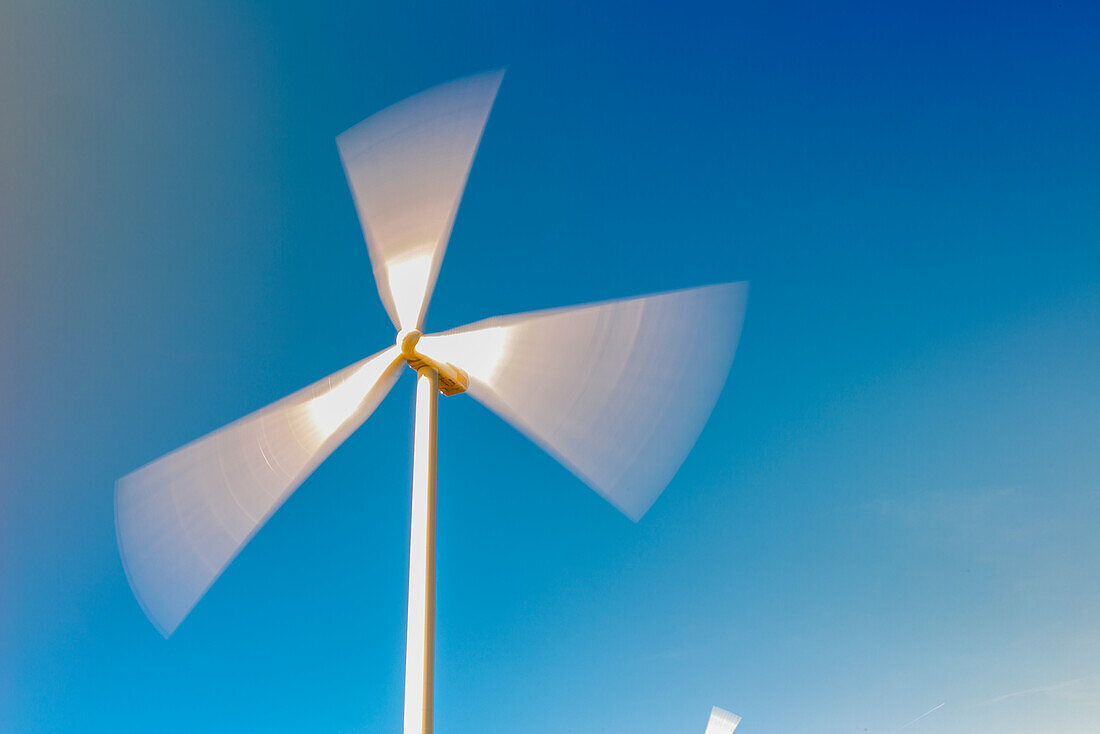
(181, 519)
(616, 391)
(407, 167)
(722, 721)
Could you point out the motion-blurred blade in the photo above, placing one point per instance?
(617, 391)
(722, 721)
(181, 519)
(407, 166)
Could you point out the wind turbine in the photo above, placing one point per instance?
(616, 391)
(722, 722)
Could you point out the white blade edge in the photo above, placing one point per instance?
(182, 518)
(618, 391)
(407, 166)
(722, 721)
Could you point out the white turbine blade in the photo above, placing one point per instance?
(182, 518)
(616, 391)
(722, 721)
(407, 167)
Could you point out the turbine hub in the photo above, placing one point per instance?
(406, 341)
(452, 380)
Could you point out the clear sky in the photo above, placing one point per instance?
(893, 506)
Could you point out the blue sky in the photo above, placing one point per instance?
(893, 505)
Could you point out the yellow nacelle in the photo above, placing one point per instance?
(452, 380)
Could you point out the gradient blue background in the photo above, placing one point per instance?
(894, 505)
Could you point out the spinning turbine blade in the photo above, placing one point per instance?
(722, 721)
(407, 167)
(181, 519)
(616, 391)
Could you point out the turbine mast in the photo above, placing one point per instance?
(420, 640)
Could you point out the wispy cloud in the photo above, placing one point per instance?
(1082, 690)
(934, 708)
